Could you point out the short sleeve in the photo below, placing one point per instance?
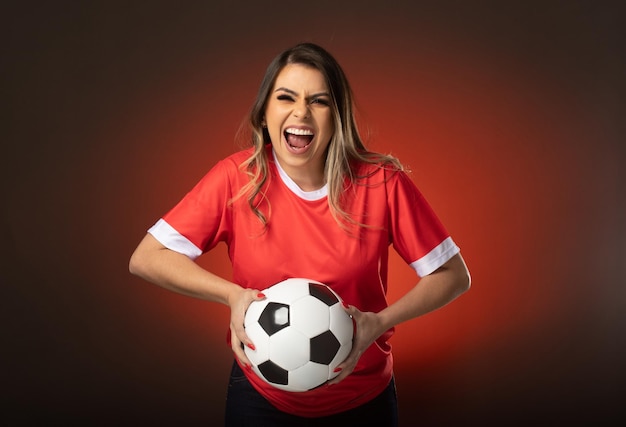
(202, 218)
(416, 232)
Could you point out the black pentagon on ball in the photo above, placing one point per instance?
(274, 373)
(323, 294)
(272, 319)
(324, 347)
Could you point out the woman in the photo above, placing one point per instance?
(308, 200)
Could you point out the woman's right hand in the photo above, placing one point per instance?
(178, 273)
(239, 300)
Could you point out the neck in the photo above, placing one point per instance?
(305, 178)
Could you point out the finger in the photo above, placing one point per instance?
(241, 340)
(239, 332)
(345, 371)
(347, 307)
(237, 321)
(346, 367)
(238, 350)
(351, 310)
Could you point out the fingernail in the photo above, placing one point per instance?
(345, 304)
(260, 295)
(251, 346)
(337, 369)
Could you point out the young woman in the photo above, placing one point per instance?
(308, 200)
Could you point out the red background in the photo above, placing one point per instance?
(510, 117)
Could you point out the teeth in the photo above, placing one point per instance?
(298, 131)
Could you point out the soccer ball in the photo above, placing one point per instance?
(301, 333)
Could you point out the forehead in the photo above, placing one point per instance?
(298, 77)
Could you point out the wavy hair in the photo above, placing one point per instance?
(345, 150)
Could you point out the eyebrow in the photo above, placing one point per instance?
(292, 92)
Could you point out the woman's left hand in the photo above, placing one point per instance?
(433, 291)
(368, 327)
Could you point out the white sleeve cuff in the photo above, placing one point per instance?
(435, 258)
(173, 240)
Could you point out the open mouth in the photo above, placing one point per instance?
(298, 139)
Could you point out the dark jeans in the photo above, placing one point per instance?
(246, 407)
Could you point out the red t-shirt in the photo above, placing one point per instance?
(303, 239)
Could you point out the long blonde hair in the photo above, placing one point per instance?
(345, 150)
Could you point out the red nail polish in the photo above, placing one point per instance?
(345, 304)
(251, 346)
(337, 369)
(260, 295)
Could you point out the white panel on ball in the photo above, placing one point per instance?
(305, 377)
(310, 316)
(287, 291)
(297, 344)
(341, 324)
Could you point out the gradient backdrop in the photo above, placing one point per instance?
(509, 114)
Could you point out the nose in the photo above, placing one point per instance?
(301, 109)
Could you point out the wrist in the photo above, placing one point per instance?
(232, 294)
(385, 320)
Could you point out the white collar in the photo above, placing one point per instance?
(306, 195)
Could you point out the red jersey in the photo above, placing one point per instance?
(303, 239)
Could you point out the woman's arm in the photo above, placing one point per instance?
(432, 292)
(174, 271)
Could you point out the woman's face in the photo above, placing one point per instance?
(300, 123)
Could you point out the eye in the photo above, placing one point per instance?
(284, 98)
(321, 101)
